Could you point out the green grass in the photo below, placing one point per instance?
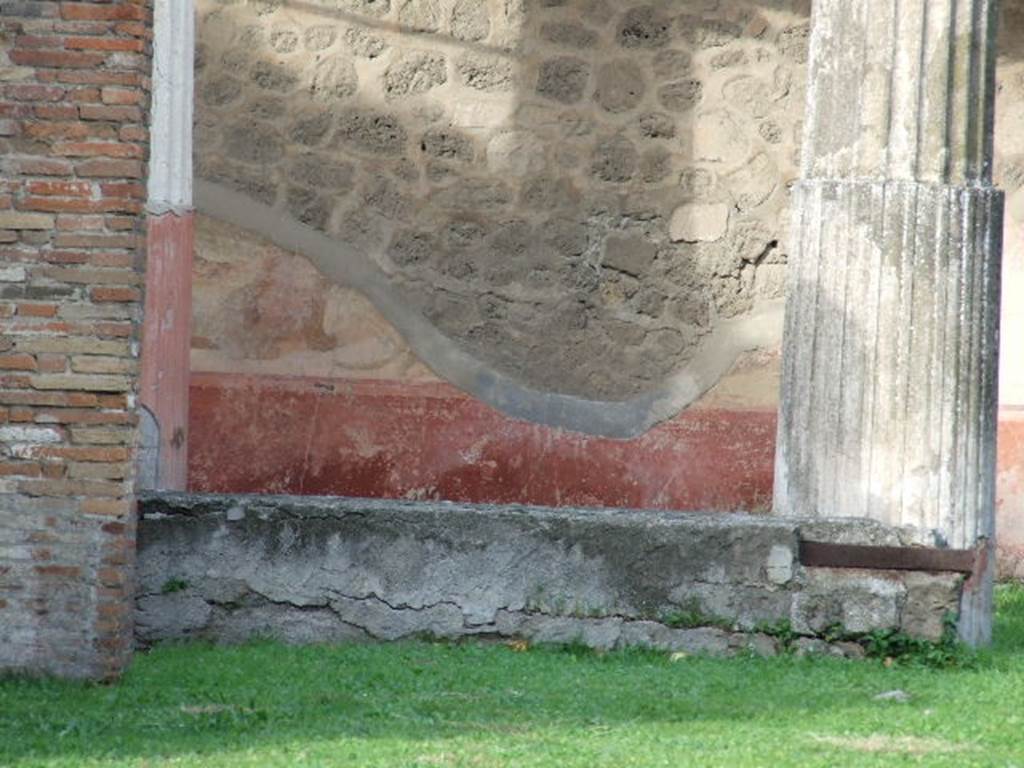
(421, 704)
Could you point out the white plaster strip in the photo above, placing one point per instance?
(170, 164)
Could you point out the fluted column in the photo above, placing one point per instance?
(890, 352)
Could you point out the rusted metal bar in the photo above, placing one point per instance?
(821, 555)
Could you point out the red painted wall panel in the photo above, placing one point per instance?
(386, 439)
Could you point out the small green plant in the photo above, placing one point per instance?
(174, 585)
(691, 616)
(834, 633)
(781, 630)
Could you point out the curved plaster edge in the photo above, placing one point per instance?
(623, 419)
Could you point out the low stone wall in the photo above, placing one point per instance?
(305, 569)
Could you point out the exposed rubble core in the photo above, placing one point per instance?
(574, 192)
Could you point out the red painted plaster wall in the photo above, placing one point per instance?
(429, 440)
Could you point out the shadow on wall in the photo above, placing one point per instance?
(1009, 165)
(569, 208)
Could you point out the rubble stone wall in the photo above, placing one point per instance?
(575, 192)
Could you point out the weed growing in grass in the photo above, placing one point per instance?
(891, 645)
(946, 653)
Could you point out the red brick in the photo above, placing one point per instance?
(78, 27)
(84, 95)
(37, 310)
(103, 44)
(99, 471)
(70, 222)
(130, 169)
(20, 469)
(92, 258)
(44, 166)
(60, 328)
(99, 77)
(133, 28)
(12, 110)
(81, 453)
(93, 488)
(82, 416)
(79, 205)
(33, 92)
(132, 189)
(21, 415)
(133, 133)
(120, 222)
(68, 399)
(120, 114)
(118, 149)
(18, 362)
(122, 95)
(109, 329)
(57, 59)
(104, 12)
(107, 294)
(65, 130)
(56, 112)
(62, 188)
(69, 240)
(37, 41)
(92, 276)
(113, 401)
(15, 381)
(106, 507)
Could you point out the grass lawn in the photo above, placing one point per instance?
(422, 704)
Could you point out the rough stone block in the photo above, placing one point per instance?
(699, 222)
(858, 601)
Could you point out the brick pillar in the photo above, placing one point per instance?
(73, 142)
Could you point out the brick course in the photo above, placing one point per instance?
(74, 80)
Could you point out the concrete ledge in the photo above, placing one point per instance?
(315, 569)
